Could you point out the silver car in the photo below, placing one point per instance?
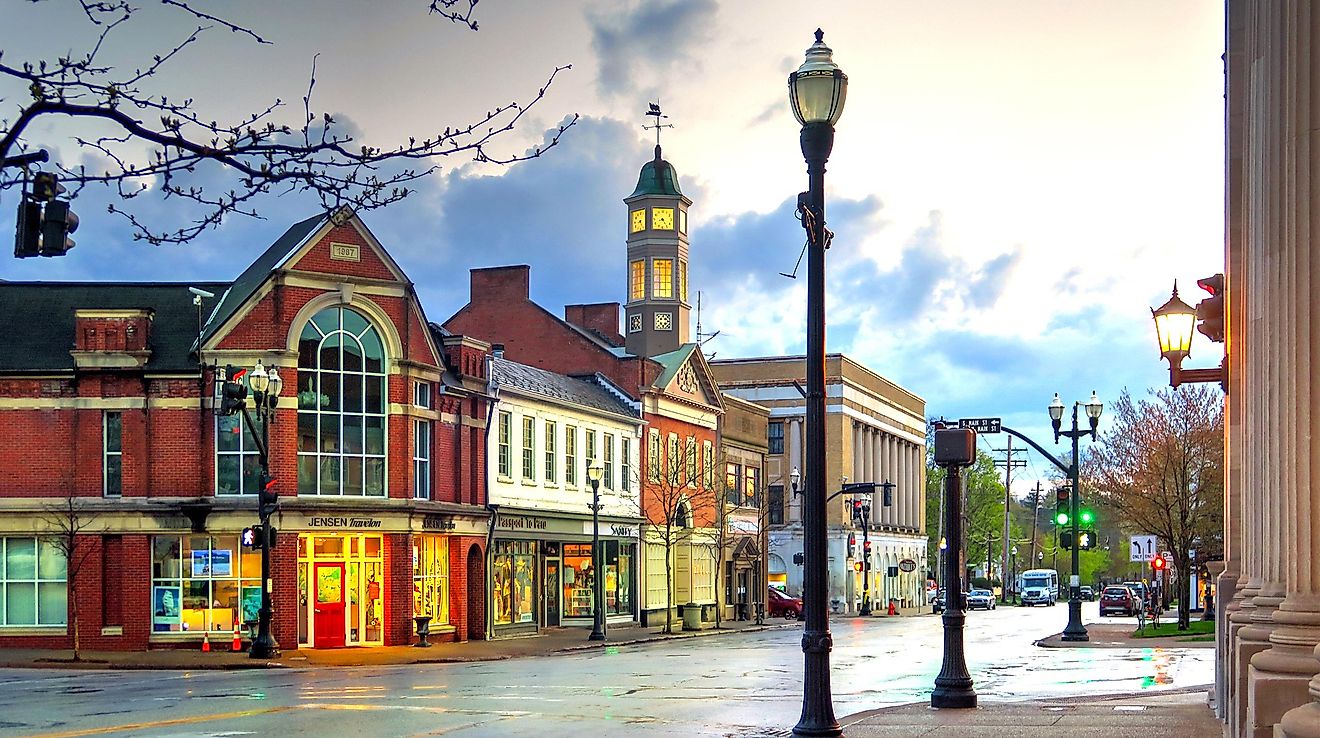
(982, 598)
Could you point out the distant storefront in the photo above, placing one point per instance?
(543, 575)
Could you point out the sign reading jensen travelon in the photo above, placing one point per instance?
(355, 522)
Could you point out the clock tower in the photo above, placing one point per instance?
(657, 308)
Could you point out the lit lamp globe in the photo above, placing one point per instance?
(595, 471)
(258, 380)
(1174, 323)
(818, 88)
(276, 384)
(1093, 409)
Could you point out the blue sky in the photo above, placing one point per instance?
(1013, 185)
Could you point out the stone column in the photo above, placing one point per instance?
(887, 470)
(902, 498)
(795, 461)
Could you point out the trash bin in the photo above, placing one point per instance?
(692, 616)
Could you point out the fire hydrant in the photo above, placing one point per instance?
(892, 610)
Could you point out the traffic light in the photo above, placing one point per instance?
(44, 230)
(866, 551)
(1062, 514)
(1085, 517)
(1157, 564)
(1085, 540)
(268, 500)
(251, 537)
(1210, 311)
(230, 391)
(1065, 539)
(857, 566)
(857, 511)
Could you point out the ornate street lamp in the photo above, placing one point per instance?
(594, 473)
(816, 91)
(1075, 631)
(1174, 324)
(265, 386)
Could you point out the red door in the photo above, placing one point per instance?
(329, 610)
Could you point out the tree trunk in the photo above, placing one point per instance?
(669, 582)
(73, 614)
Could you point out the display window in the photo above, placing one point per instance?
(341, 585)
(513, 577)
(579, 578)
(203, 583)
(33, 583)
(430, 557)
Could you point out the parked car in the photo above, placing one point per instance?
(982, 598)
(1117, 599)
(1087, 594)
(937, 605)
(783, 605)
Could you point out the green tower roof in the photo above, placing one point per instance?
(657, 178)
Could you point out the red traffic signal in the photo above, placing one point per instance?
(1210, 311)
(866, 545)
(1157, 563)
(857, 566)
(1061, 494)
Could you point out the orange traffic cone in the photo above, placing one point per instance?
(237, 645)
(206, 643)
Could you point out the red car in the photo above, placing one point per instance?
(781, 605)
(1117, 600)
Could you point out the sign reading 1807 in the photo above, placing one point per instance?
(980, 425)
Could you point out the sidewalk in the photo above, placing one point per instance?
(1179, 714)
(1119, 635)
(550, 641)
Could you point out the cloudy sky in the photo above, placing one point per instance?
(1013, 185)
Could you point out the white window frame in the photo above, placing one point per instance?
(607, 452)
(551, 452)
(504, 445)
(117, 456)
(570, 455)
(527, 442)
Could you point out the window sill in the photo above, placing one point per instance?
(34, 630)
(529, 482)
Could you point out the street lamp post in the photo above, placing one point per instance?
(1012, 555)
(955, 450)
(266, 386)
(1075, 630)
(816, 92)
(594, 473)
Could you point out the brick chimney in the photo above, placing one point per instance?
(502, 284)
(601, 318)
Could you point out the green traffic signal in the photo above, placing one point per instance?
(1087, 517)
(1061, 518)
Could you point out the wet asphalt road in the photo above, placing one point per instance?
(747, 684)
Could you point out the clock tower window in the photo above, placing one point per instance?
(637, 280)
(662, 273)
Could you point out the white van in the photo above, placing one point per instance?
(1039, 586)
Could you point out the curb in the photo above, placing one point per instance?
(858, 717)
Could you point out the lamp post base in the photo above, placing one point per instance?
(1075, 632)
(596, 635)
(265, 647)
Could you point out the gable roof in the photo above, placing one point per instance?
(259, 271)
(559, 387)
(689, 353)
(39, 331)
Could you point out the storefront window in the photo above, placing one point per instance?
(33, 578)
(344, 576)
(512, 581)
(203, 583)
(430, 556)
(580, 579)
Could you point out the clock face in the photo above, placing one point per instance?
(638, 220)
(662, 219)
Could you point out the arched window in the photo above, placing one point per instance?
(682, 516)
(341, 406)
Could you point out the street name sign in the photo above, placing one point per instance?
(1142, 549)
(981, 425)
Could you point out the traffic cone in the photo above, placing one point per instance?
(206, 643)
(237, 645)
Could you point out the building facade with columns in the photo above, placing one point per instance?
(1269, 590)
(875, 432)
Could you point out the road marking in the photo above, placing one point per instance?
(162, 723)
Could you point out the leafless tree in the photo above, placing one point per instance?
(261, 152)
(1161, 466)
(66, 521)
(677, 503)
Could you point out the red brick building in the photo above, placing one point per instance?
(665, 375)
(377, 448)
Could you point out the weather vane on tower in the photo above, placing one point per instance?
(654, 111)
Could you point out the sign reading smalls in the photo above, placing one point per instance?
(907, 565)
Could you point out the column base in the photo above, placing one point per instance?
(1278, 678)
(1304, 721)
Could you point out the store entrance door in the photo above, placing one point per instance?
(552, 591)
(329, 611)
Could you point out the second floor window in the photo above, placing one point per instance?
(570, 455)
(776, 438)
(751, 476)
(776, 504)
(341, 406)
(653, 456)
(625, 464)
(733, 488)
(422, 459)
(551, 458)
(113, 467)
(607, 442)
(707, 465)
(592, 458)
(237, 465)
(506, 449)
(690, 457)
(675, 461)
(529, 448)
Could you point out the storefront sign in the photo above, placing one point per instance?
(612, 530)
(623, 531)
(907, 565)
(438, 522)
(342, 522)
(521, 522)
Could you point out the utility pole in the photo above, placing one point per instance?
(1008, 463)
(1035, 519)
